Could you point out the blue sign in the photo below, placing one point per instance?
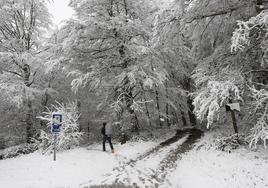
(55, 128)
(56, 123)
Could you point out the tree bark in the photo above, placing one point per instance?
(190, 111)
(183, 118)
(148, 114)
(78, 104)
(146, 106)
(188, 87)
(134, 119)
(44, 102)
(167, 109)
(158, 107)
(29, 121)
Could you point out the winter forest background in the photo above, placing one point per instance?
(146, 65)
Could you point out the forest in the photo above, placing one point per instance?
(151, 68)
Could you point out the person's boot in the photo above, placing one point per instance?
(112, 150)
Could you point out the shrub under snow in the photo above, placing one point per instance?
(15, 151)
(69, 135)
(230, 143)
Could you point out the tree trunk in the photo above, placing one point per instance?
(146, 106)
(134, 119)
(78, 104)
(44, 102)
(158, 107)
(190, 111)
(148, 115)
(167, 109)
(29, 121)
(188, 87)
(183, 118)
(147, 111)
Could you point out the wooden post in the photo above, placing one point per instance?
(233, 119)
(88, 131)
(55, 145)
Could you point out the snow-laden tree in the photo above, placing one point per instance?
(169, 37)
(21, 27)
(260, 129)
(108, 48)
(69, 134)
(209, 100)
(242, 37)
(206, 28)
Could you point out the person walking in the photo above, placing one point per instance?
(106, 131)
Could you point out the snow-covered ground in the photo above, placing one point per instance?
(139, 172)
(206, 167)
(72, 168)
(202, 167)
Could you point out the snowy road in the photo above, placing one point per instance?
(133, 163)
(72, 167)
(151, 168)
(169, 164)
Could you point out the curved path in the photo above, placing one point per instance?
(120, 177)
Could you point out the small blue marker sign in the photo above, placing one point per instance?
(55, 129)
(56, 123)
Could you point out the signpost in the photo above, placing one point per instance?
(55, 129)
(232, 107)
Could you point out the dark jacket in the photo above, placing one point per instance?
(107, 130)
(103, 130)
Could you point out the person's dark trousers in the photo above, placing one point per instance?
(105, 137)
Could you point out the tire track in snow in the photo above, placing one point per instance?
(169, 162)
(139, 173)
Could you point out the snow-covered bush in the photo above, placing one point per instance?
(260, 129)
(69, 135)
(17, 150)
(230, 143)
(208, 101)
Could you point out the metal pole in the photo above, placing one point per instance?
(55, 142)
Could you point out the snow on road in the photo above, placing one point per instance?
(141, 172)
(202, 167)
(72, 167)
(206, 167)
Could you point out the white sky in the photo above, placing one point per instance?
(60, 11)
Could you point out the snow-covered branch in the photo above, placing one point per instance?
(207, 103)
(240, 37)
(260, 130)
